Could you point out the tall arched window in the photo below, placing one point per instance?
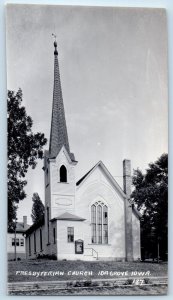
(99, 223)
(63, 174)
(93, 224)
(105, 224)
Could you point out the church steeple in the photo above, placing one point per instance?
(58, 134)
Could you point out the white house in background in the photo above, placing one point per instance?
(19, 239)
(89, 219)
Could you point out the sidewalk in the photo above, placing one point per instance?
(68, 285)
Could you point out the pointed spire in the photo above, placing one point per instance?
(58, 134)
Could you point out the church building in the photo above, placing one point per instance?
(91, 219)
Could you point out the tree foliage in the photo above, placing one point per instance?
(151, 196)
(24, 148)
(37, 209)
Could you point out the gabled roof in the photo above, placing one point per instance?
(105, 170)
(82, 178)
(34, 227)
(136, 211)
(69, 217)
(113, 181)
(20, 228)
(70, 158)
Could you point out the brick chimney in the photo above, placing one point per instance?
(25, 222)
(127, 182)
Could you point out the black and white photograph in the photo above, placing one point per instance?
(87, 112)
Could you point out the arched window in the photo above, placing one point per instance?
(93, 223)
(105, 224)
(63, 174)
(99, 223)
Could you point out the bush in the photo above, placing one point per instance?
(78, 284)
(46, 256)
(106, 283)
(146, 280)
(87, 283)
(69, 284)
(128, 281)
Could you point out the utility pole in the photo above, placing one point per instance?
(158, 250)
(15, 256)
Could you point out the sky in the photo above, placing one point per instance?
(113, 68)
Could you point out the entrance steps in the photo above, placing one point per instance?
(90, 254)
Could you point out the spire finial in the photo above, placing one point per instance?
(55, 44)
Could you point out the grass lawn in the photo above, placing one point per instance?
(111, 269)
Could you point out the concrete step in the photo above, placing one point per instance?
(89, 258)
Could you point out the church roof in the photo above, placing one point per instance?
(69, 217)
(82, 178)
(101, 164)
(136, 211)
(34, 226)
(58, 134)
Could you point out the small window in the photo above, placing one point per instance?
(22, 242)
(70, 234)
(63, 174)
(13, 242)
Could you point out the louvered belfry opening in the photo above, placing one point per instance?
(63, 174)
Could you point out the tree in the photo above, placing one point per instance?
(151, 196)
(37, 209)
(24, 148)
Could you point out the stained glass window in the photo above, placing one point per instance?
(99, 223)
